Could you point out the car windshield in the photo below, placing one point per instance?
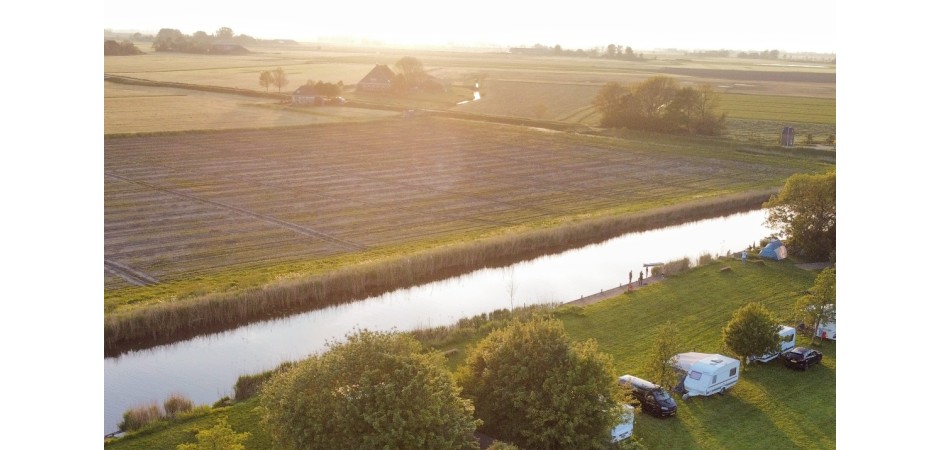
(661, 394)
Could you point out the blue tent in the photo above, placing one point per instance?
(774, 250)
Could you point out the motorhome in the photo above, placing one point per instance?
(787, 341)
(705, 373)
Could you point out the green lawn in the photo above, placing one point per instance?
(770, 407)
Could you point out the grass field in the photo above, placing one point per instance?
(770, 407)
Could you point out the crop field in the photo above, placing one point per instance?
(183, 206)
(147, 109)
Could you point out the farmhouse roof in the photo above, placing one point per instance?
(379, 74)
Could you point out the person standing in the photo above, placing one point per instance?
(631, 278)
(641, 278)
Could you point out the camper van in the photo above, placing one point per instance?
(624, 429)
(705, 374)
(787, 341)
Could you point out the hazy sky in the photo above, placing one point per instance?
(795, 25)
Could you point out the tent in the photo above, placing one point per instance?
(774, 250)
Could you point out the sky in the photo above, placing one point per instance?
(800, 25)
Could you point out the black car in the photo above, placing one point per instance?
(653, 398)
(802, 358)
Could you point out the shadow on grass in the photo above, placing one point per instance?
(725, 422)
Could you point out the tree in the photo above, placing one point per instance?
(820, 306)
(610, 101)
(219, 437)
(377, 390)
(266, 79)
(279, 78)
(804, 211)
(752, 331)
(654, 94)
(707, 119)
(665, 348)
(224, 33)
(535, 388)
(412, 70)
(168, 39)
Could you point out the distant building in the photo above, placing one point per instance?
(377, 80)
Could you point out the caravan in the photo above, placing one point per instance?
(787, 341)
(624, 428)
(705, 374)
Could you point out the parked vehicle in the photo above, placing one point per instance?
(624, 429)
(787, 341)
(827, 331)
(705, 374)
(802, 358)
(655, 400)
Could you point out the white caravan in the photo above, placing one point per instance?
(827, 330)
(705, 374)
(624, 429)
(787, 341)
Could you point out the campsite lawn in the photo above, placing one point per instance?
(770, 407)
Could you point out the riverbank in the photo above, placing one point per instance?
(167, 323)
(700, 301)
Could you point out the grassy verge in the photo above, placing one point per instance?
(145, 327)
(770, 407)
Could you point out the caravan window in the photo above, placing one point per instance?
(695, 375)
(733, 371)
(714, 379)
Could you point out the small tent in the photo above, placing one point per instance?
(774, 250)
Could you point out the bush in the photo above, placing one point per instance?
(704, 258)
(176, 404)
(139, 417)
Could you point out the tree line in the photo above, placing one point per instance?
(114, 48)
(173, 40)
(659, 104)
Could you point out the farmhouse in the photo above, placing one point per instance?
(307, 95)
(377, 80)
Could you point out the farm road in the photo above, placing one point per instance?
(132, 276)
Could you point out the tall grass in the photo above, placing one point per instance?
(218, 312)
(177, 404)
(140, 416)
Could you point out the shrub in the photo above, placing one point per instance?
(704, 258)
(673, 267)
(139, 417)
(176, 404)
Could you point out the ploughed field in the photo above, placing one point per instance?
(187, 205)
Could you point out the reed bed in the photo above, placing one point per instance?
(212, 313)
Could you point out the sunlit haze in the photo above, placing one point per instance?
(793, 26)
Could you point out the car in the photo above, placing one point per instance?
(654, 400)
(802, 358)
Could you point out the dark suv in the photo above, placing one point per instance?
(654, 399)
(802, 358)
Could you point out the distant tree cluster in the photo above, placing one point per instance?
(114, 48)
(412, 77)
(766, 54)
(659, 104)
(325, 89)
(276, 77)
(621, 52)
(172, 40)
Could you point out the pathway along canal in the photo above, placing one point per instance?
(205, 369)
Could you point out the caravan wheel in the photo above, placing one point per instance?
(722, 391)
